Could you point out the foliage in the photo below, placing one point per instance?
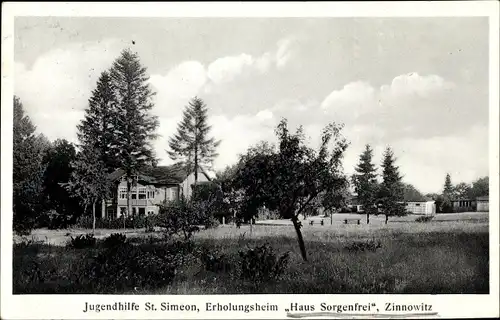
(480, 187)
(191, 143)
(180, 218)
(214, 261)
(58, 161)
(424, 218)
(132, 222)
(462, 191)
(134, 125)
(97, 143)
(28, 171)
(365, 182)
(391, 189)
(410, 193)
(361, 246)
(83, 241)
(289, 179)
(261, 264)
(445, 201)
(128, 266)
(54, 220)
(114, 240)
(210, 199)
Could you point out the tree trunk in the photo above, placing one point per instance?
(129, 205)
(367, 217)
(386, 218)
(195, 164)
(299, 238)
(93, 217)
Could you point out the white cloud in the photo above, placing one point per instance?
(265, 114)
(284, 53)
(412, 84)
(55, 89)
(175, 89)
(227, 68)
(352, 101)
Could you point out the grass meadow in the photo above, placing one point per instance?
(447, 255)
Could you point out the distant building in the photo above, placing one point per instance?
(421, 207)
(464, 205)
(483, 203)
(153, 186)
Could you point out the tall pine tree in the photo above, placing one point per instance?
(191, 144)
(133, 122)
(365, 182)
(392, 188)
(97, 129)
(446, 204)
(97, 143)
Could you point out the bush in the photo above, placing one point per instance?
(214, 261)
(359, 246)
(114, 240)
(125, 267)
(424, 218)
(180, 218)
(261, 264)
(83, 241)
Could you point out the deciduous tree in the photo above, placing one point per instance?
(290, 178)
(28, 170)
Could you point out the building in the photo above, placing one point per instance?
(464, 205)
(483, 203)
(421, 207)
(153, 186)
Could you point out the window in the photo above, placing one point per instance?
(122, 193)
(151, 194)
(142, 193)
(417, 204)
(150, 212)
(142, 211)
(174, 193)
(122, 211)
(134, 211)
(133, 196)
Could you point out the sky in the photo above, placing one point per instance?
(418, 85)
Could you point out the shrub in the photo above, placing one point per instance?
(360, 246)
(261, 263)
(424, 218)
(127, 267)
(180, 218)
(150, 223)
(83, 241)
(214, 261)
(114, 240)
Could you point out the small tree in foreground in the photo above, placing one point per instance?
(291, 178)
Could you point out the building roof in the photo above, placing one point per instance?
(483, 198)
(164, 175)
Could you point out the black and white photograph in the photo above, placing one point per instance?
(233, 155)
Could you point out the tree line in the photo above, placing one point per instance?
(118, 129)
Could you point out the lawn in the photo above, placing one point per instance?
(446, 255)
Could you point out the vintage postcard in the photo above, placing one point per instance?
(250, 160)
